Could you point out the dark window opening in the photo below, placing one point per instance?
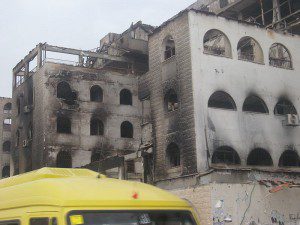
(130, 166)
(221, 100)
(226, 155)
(289, 159)
(279, 56)
(171, 101)
(96, 127)
(96, 156)
(65, 92)
(125, 97)
(255, 104)
(284, 107)
(259, 157)
(64, 160)
(126, 130)
(63, 125)
(216, 43)
(249, 50)
(6, 172)
(96, 94)
(7, 108)
(169, 48)
(173, 155)
(6, 146)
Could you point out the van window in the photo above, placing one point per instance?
(11, 222)
(39, 221)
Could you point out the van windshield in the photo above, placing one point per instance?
(131, 218)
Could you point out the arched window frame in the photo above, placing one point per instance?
(277, 62)
(169, 48)
(250, 57)
(6, 171)
(7, 108)
(65, 92)
(127, 130)
(96, 94)
(125, 97)
(261, 102)
(173, 155)
(287, 107)
(171, 101)
(259, 152)
(96, 127)
(289, 153)
(225, 95)
(65, 120)
(225, 152)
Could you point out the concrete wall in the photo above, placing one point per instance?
(242, 131)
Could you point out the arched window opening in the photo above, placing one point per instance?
(284, 107)
(7, 124)
(96, 94)
(125, 97)
(259, 157)
(126, 130)
(6, 172)
(65, 92)
(7, 108)
(289, 158)
(250, 50)
(279, 56)
(221, 100)
(63, 125)
(171, 101)
(255, 104)
(64, 160)
(6, 146)
(18, 106)
(173, 155)
(17, 138)
(96, 127)
(169, 46)
(226, 155)
(216, 43)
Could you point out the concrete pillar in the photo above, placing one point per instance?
(40, 57)
(26, 68)
(276, 11)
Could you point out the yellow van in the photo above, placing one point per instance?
(51, 196)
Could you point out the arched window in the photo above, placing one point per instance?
(169, 47)
(289, 158)
(126, 130)
(63, 125)
(222, 100)
(6, 146)
(216, 43)
(279, 56)
(226, 155)
(65, 92)
(171, 101)
(7, 108)
(18, 138)
(96, 94)
(64, 160)
(255, 104)
(96, 127)
(284, 107)
(5, 172)
(173, 155)
(259, 157)
(125, 97)
(250, 50)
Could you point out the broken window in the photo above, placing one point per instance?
(279, 56)
(65, 92)
(216, 43)
(222, 100)
(64, 160)
(173, 155)
(289, 159)
(125, 97)
(171, 101)
(255, 104)
(6, 146)
(259, 157)
(284, 107)
(96, 127)
(249, 50)
(6, 171)
(63, 125)
(169, 48)
(126, 130)
(7, 108)
(226, 155)
(96, 94)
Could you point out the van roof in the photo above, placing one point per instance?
(80, 188)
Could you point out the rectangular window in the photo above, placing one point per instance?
(39, 221)
(11, 222)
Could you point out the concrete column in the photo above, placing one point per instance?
(26, 68)
(276, 11)
(40, 57)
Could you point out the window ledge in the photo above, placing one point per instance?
(223, 56)
(169, 59)
(245, 60)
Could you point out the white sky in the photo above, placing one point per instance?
(70, 23)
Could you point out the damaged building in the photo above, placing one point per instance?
(205, 105)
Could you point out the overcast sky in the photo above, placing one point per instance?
(70, 23)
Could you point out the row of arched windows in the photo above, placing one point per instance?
(253, 103)
(64, 126)
(257, 157)
(215, 42)
(65, 92)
